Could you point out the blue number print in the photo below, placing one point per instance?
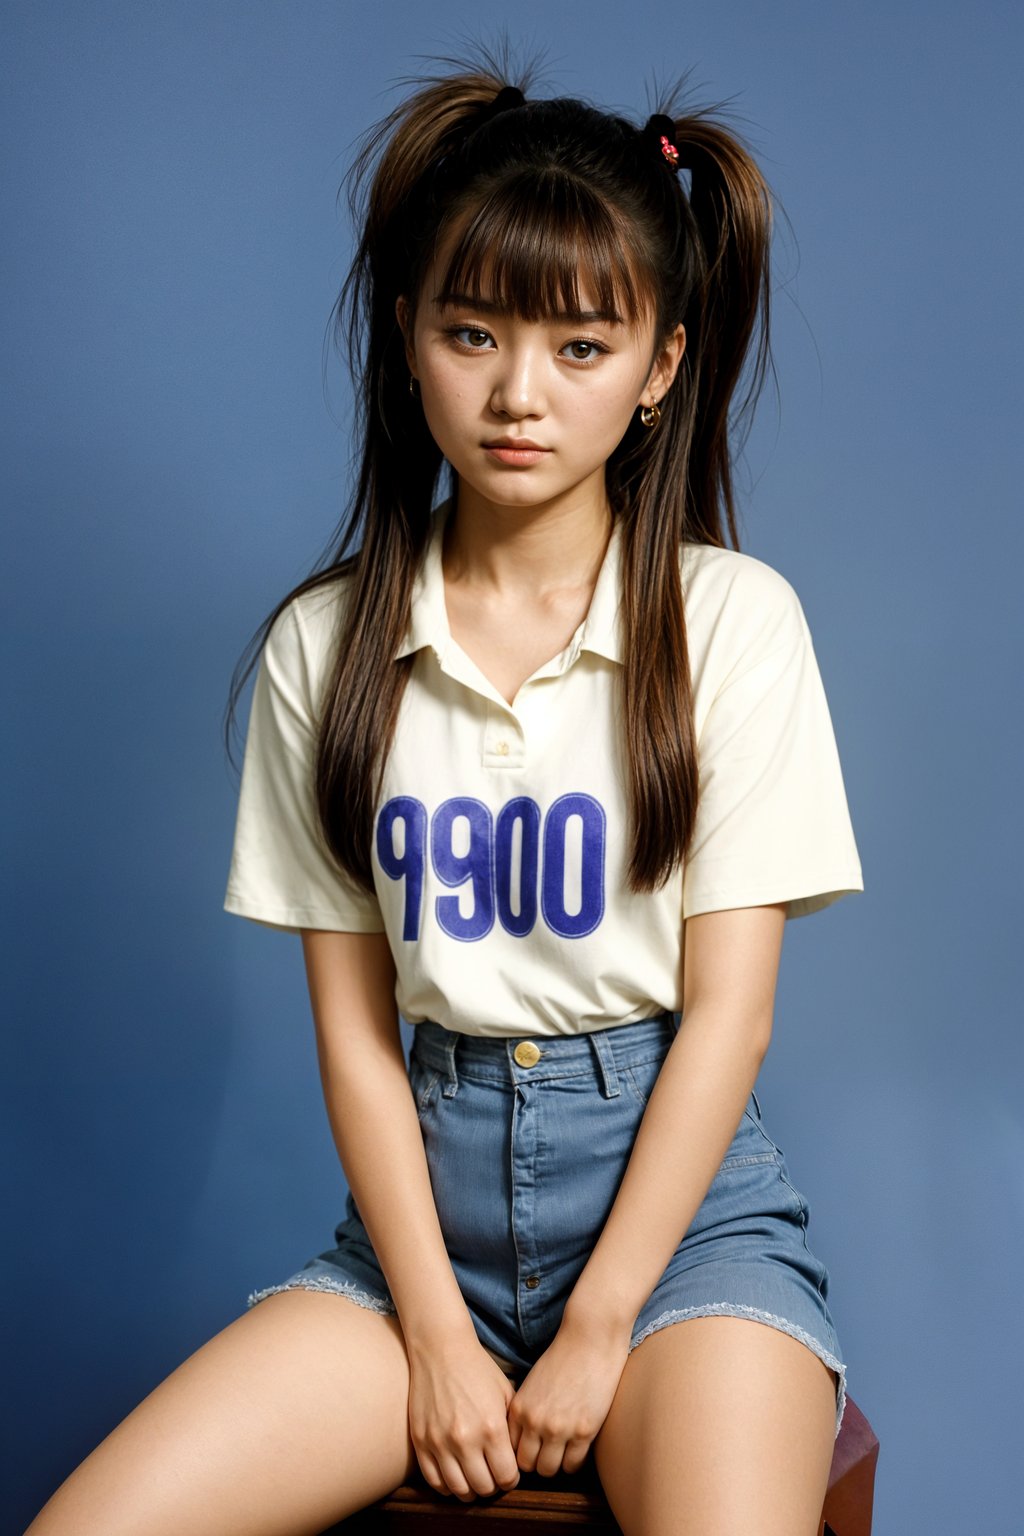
(525, 813)
(591, 812)
(456, 868)
(413, 814)
(489, 863)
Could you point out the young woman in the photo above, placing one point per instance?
(543, 768)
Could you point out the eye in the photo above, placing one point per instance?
(467, 330)
(585, 341)
(455, 331)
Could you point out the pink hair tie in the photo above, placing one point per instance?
(659, 131)
(669, 151)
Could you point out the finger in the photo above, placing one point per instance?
(549, 1462)
(575, 1454)
(528, 1450)
(502, 1463)
(432, 1472)
(479, 1473)
(454, 1476)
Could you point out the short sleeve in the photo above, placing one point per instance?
(282, 874)
(773, 822)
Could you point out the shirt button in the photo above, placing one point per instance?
(533, 1281)
(526, 1053)
(501, 748)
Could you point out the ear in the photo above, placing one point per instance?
(665, 366)
(403, 318)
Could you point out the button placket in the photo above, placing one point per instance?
(504, 743)
(530, 1302)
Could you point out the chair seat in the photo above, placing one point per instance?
(576, 1500)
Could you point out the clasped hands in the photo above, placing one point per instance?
(463, 1445)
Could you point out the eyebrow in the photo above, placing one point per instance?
(489, 307)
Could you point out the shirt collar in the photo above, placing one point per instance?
(600, 631)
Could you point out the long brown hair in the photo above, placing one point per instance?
(553, 189)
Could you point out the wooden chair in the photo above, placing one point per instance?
(539, 1504)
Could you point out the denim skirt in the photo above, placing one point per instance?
(527, 1140)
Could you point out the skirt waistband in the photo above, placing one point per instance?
(532, 1058)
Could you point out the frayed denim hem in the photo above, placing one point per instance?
(735, 1309)
(347, 1288)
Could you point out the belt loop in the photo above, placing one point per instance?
(450, 1086)
(606, 1062)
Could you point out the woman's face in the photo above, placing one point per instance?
(570, 388)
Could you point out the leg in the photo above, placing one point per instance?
(720, 1426)
(292, 1417)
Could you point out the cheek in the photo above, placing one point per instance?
(450, 392)
(444, 393)
(603, 409)
(601, 418)
(451, 415)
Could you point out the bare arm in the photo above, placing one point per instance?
(458, 1396)
(372, 1113)
(730, 972)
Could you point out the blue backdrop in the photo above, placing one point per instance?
(171, 249)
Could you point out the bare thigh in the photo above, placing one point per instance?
(719, 1425)
(292, 1417)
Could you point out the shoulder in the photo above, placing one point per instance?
(300, 643)
(317, 612)
(738, 608)
(720, 578)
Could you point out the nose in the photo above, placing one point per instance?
(517, 388)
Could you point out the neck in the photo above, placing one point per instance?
(515, 553)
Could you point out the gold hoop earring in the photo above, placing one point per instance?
(413, 381)
(650, 415)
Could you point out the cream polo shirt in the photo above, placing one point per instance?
(500, 836)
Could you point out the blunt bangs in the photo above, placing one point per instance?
(536, 236)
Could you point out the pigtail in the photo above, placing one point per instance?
(400, 164)
(677, 487)
(731, 208)
(391, 202)
(391, 196)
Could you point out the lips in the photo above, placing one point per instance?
(516, 442)
(517, 456)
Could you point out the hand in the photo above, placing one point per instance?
(565, 1398)
(458, 1405)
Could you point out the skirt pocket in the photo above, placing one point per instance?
(423, 1082)
(642, 1075)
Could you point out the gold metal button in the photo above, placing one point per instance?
(533, 1281)
(526, 1053)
